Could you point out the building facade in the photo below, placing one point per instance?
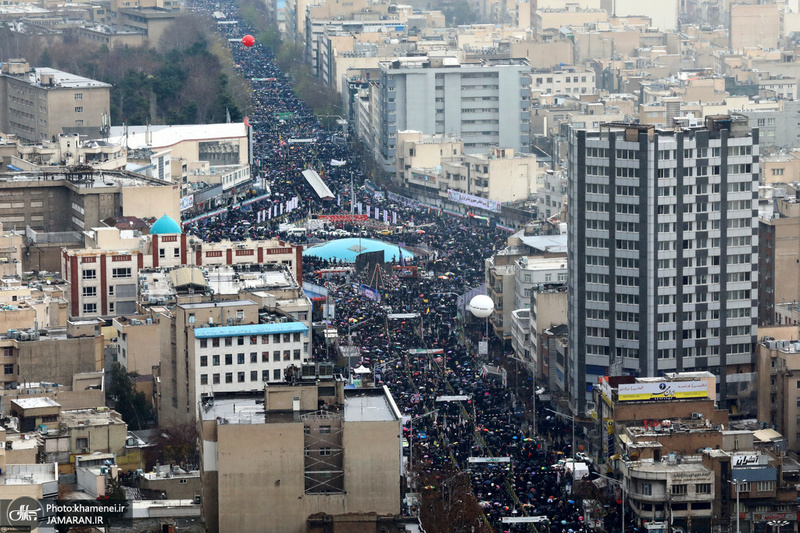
(485, 104)
(38, 103)
(663, 250)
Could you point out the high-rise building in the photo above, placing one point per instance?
(663, 248)
(484, 103)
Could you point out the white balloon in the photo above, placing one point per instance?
(481, 306)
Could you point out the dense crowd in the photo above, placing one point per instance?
(492, 422)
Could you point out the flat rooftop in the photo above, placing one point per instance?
(250, 329)
(223, 303)
(35, 403)
(368, 408)
(165, 136)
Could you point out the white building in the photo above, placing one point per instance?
(243, 358)
(484, 103)
(569, 80)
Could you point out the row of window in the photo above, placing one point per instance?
(116, 273)
(251, 340)
(240, 377)
(288, 355)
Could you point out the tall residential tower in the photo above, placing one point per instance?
(663, 247)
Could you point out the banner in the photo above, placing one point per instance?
(342, 218)
(665, 390)
(370, 293)
(187, 202)
(473, 201)
(337, 163)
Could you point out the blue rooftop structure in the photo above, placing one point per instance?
(347, 250)
(250, 329)
(165, 226)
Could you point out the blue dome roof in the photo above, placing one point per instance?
(165, 226)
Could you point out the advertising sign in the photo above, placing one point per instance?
(664, 390)
(473, 201)
(187, 202)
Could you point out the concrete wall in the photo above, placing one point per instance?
(178, 487)
(58, 359)
(264, 460)
(372, 466)
(69, 400)
(145, 202)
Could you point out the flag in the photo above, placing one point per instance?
(385, 216)
(359, 208)
(338, 199)
(377, 214)
(394, 217)
(402, 260)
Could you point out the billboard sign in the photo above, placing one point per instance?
(661, 391)
(473, 201)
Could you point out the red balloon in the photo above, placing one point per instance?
(248, 40)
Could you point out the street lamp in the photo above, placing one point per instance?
(624, 495)
(735, 483)
(411, 440)
(569, 417)
(778, 524)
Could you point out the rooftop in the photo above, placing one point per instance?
(61, 79)
(250, 329)
(35, 403)
(163, 136)
(369, 408)
(90, 417)
(224, 303)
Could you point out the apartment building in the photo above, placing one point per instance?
(779, 255)
(301, 459)
(663, 251)
(569, 80)
(223, 346)
(38, 103)
(103, 277)
(484, 103)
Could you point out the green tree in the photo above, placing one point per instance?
(131, 404)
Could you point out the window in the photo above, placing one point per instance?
(265, 375)
(120, 272)
(176, 252)
(678, 489)
(203, 360)
(324, 430)
(79, 109)
(89, 273)
(162, 253)
(89, 308)
(228, 341)
(215, 360)
(228, 358)
(240, 358)
(78, 96)
(765, 486)
(204, 343)
(325, 451)
(89, 292)
(276, 356)
(703, 488)
(229, 377)
(8, 369)
(240, 341)
(203, 379)
(240, 377)
(647, 489)
(264, 339)
(287, 355)
(253, 357)
(82, 443)
(276, 374)
(296, 355)
(254, 375)
(216, 379)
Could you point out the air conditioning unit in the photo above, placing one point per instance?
(697, 416)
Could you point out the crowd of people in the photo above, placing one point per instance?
(411, 339)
